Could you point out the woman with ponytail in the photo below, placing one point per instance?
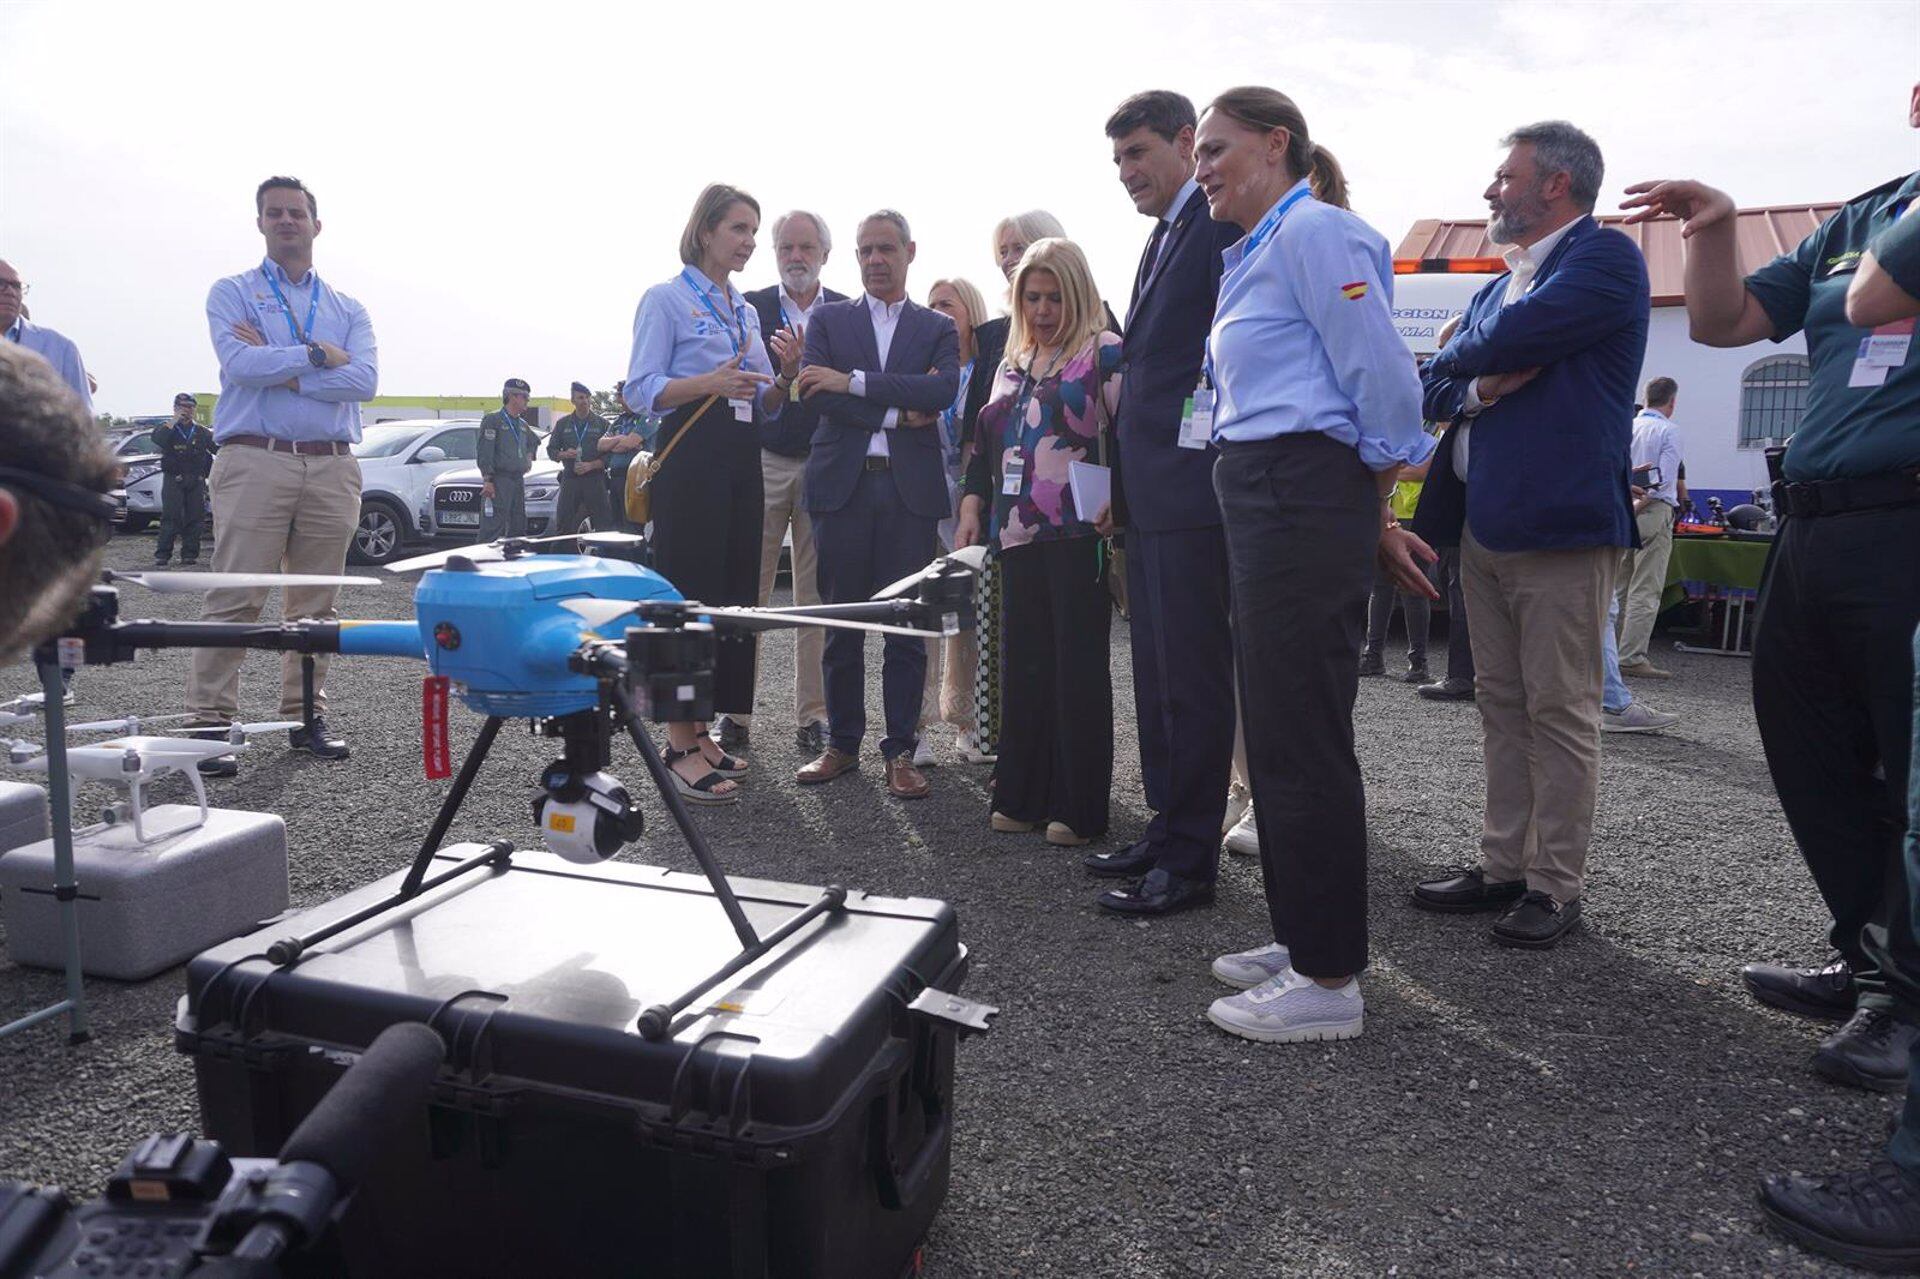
(1315, 406)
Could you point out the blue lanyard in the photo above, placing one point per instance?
(513, 424)
(1261, 234)
(14, 331)
(183, 433)
(302, 336)
(686, 273)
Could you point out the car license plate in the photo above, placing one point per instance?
(460, 517)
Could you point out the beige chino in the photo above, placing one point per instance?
(1642, 579)
(273, 512)
(1536, 619)
(784, 479)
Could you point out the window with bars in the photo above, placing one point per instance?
(1773, 396)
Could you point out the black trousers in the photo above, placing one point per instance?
(1833, 695)
(1056, 695)
(1459, 638)
(1303, 521)
(1183, 690)
(183, 513)
(706, 532)
(871, 541)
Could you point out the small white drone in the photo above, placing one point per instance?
(136, 760)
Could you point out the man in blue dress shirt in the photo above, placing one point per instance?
(296, 359)
(56, 349)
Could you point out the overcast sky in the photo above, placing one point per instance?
(498, 183)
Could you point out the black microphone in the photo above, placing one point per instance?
(376, 1095)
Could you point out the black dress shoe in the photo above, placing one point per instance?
(1869, 1052)
(1448, 690)
(1372, 664)
(810, 738)
(733, 737)
(219, 765)
(1122, 863)
(1469, 890)
(316, 740)
(1869, 1218)
(1158, 892)
(1812, 992)
(1536, 922)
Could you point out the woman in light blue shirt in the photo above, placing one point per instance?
(1315, 405)
(698, 358)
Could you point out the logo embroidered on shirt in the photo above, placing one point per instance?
(1355, 291)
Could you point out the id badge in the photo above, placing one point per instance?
(1196, 419)
(742, 410)
(1887, 346)
(1013, 472)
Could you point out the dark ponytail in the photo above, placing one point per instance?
(1265, 110)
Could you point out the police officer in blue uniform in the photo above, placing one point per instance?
(186, 452)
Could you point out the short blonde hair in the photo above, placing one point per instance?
(1082, 315)
(707, 213)
(970, 299)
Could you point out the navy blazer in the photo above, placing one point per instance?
(1548, 466)
(840, 336)
(789, 433)
(1163, 486)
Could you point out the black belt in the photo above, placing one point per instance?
(1858, 493)
(877, 462)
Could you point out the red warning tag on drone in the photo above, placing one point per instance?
(433, 727)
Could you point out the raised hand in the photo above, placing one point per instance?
(787, 346)
(1697, 205)
(734, 382)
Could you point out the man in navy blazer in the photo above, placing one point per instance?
(878, 370)
(1176, 552)
(1532, 481)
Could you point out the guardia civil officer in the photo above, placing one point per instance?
(1833, 665)
(508, 445)
(576, 443)
(186, 452)
(698, 358)
(1315, 405)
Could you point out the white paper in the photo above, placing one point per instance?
(1092, 488)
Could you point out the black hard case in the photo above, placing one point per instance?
(797, 1124)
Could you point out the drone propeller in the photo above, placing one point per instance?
(237, 734)
(493, 552)
(196, 583)
(598, 613)
(131, 724)
(971, 558)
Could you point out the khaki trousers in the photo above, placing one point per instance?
(1535, 618)
(784, 479)
(1641, 580)
(273, 513)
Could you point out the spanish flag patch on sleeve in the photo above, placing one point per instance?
(1355, 291)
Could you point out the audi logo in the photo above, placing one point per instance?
(454, 496)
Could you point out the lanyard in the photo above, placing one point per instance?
(686, 273)
(14, 331)
(183, 432)
(513, 424)
(301, 335)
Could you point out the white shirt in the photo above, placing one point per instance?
(1656, 443)
(796, 316)
(886, 318)
(1522, 265)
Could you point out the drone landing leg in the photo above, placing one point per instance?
(455, 797)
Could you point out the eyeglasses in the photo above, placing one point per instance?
(14, 286)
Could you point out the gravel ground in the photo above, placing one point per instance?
(1602, 1108)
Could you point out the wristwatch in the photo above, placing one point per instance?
(316, 355)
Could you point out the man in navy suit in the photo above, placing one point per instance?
(1532, 481)
(801, 245)
(878, 370)
(1176, 553)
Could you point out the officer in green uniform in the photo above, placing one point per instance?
(1833, 669)
(186, 452)
(575, 444)
(508, 445)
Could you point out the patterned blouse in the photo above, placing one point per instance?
(1037, 428)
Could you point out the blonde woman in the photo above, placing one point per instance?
(1051, 401)
(953, 664)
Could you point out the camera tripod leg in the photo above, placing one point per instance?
(455, 797)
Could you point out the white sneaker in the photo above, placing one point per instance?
(1290, 1009)
(1248, 968)
(968, 745)
(1244, 838)
(923, 756)
(1239, 798)
(1638, 717)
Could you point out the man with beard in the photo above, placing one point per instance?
(1531, 481)
(801, 245)
(55, 515)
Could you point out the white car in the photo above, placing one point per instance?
(458, 506)
(399, 461)
(142, 483)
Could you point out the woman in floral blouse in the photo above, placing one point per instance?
(1051, 404)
